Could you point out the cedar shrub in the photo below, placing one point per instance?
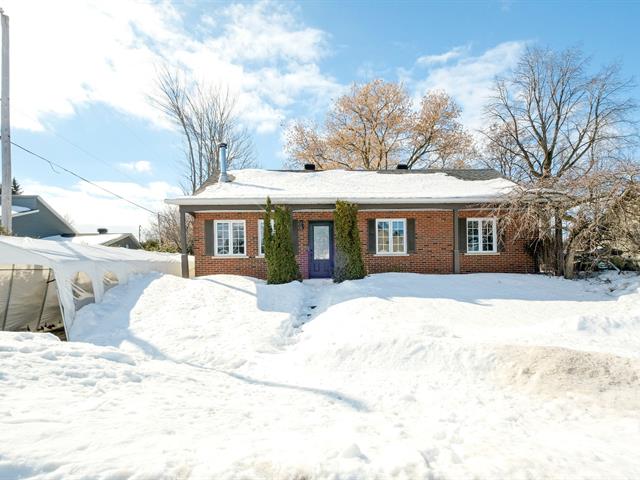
(278, 247)
(349, 264)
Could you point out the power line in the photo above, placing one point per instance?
(75, 145)
(52, 164)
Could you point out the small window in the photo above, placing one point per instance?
(261, 236)
(82, 289)
(391, 237)
(481, 235)
(109, 280)
(230, 238)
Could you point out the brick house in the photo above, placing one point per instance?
(422, 221)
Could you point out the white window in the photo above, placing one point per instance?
(229, 238)
(391, 237)
(481, 235)
(261, 236)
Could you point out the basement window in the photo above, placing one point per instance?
(481, 235)
(391, 237)
(230, 238)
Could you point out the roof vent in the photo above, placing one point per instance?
(402, 166)
(309, 166)
(102, 231)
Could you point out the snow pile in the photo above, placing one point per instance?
(249, 186)
(394, 376)
(219, 321)
(93, 240)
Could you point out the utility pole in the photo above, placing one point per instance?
(5, 128)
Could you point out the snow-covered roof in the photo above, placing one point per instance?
(17, 210)
(252, 186)
(67, 259)
(90, 239)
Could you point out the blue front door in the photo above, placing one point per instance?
(320, 249)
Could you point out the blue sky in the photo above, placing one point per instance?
(82, 70)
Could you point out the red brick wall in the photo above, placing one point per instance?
(434, 246)
(252, 266)
(513, 258)
(434, 243)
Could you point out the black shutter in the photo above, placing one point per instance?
(462, 235)
(208, 237)
(295, 225)
(371, 235)
(411, 235)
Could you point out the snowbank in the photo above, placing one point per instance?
(395, 376)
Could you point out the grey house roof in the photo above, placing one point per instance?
(33, 217)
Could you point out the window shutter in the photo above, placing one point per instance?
(411, 235)
(208, 237)
(462, 235)
(371, 235)
(500, 232)
(295, 225)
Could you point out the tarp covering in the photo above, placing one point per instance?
(82, 274)
(28, 298)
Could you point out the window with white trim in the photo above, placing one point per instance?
(391, 236)
(261, 235)
(230, 238)
(481, 235)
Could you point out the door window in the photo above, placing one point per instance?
(321, 244)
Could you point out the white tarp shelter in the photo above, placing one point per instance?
(43, 282)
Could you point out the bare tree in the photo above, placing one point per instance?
(501, 156)
(204, 116)
(436, 138)
(164, 231)
(375, 126)
(560, 128)
(556, 118)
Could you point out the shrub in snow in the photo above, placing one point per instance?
(349, 264)
(281, 260)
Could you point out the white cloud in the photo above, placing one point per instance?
(470, 79)
(75, 53)
(90, 208)
(428, 60)
(141, 166)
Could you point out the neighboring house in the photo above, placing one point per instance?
(423, 221)
(33, 217)
(103, 237)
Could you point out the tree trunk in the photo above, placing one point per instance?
(558, 244)
(569, 263)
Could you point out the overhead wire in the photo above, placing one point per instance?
(54, 165)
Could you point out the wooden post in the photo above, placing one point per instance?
(184, 258)
(5, 129)
(456, 242)
(559, 244)
(8, 304)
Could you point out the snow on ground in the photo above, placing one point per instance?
(394, 376)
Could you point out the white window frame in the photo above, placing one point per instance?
(215, 238)
(480, 221)
(390, 220)
(261, 233)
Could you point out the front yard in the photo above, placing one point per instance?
(394, 376)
